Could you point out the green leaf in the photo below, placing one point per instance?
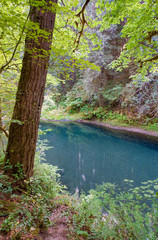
(156, 187)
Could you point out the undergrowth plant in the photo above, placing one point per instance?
(27, 209)
(108, 213)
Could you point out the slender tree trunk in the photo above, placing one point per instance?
(23, 134)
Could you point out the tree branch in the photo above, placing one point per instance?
(3, 130)
(16, 46)
(148, 60)
(63, 2)
(83, 8)
(152, 34)
(83, 22)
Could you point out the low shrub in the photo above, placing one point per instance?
(108, 213)
(27, 209)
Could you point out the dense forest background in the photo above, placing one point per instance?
(95, 93)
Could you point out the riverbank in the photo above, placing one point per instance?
(109, 119)
(127, 130)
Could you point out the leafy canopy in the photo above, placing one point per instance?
(140, 29)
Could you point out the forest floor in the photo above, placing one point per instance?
(60, 229)
(16, 214)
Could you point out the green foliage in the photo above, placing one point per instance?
(33, 207)
(76, 98)
(75, 106)
(45, 182)
(141, 26)
(13, 20)
(1, 157)
(88, 209)
(152, 125)
(5, 185)
(41, 148)
(96, 113)
(30, 213)
(107, 213)
(114, 115)
(7, 94)
(10, 184)
(112, 95)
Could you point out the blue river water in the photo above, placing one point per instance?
(88, 155)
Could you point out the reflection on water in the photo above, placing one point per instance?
(89, 155)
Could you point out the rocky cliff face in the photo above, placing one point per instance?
(112, 45)
(95, 82)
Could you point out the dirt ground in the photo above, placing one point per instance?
(61, 228)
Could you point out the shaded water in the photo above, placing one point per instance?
(88, 155)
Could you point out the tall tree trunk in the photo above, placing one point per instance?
(23, 132)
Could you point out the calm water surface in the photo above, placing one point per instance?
(88, 155)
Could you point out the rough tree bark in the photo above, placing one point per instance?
(23, 137)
